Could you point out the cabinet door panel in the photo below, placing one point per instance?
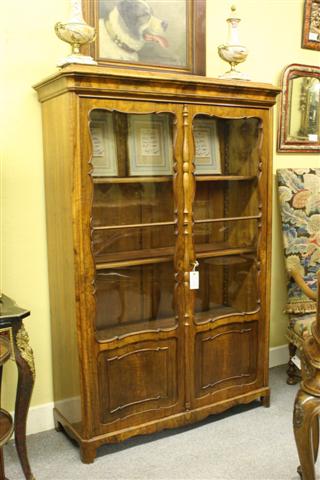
(138, 379)
(229, 180)
(134, 299)
(227, 286)
(132, 158)
(225, 358)
(229, 227)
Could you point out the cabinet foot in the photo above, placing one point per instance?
(57, 426)
(265, 400)
(87, 453)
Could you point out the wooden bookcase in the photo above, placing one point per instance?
(146, 175)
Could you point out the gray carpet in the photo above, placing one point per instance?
(246, 443)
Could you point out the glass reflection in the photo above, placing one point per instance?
(304, 120)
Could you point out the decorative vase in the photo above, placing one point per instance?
(76, 32)
(232, 51)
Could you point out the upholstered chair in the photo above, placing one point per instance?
(299, 197)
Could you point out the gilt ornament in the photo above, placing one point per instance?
(232, 51)
(76, 32)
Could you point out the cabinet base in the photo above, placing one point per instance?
(88, 447)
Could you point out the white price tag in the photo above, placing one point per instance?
(313, 36)
(296, 360)
(194, 280)
(313, 137)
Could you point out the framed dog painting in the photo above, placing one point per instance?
(167, 35)
(311, 25)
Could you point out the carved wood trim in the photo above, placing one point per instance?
(242, 330)
(134, 352)
(227, 379)
(144, 400)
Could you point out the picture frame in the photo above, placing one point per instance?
(207, 157)
(104, 148)
(150, 149)
(173, 40)
(299, 112)
(311, 25)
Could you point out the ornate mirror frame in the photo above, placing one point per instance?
(299, 122)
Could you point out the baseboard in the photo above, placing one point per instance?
(40, 417)
(278, 356)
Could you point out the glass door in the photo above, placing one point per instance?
(227, 215)
(133, 223)
(228, 231)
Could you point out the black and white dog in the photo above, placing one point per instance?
(129, 25)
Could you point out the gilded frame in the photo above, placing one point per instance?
(307, 140)
(311, 25)
(186, 49)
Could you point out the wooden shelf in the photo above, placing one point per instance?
(120, 331)
(165, 324)
(165, 254)
(112, 180)
(6, 426)
(135, 225)
(168, 178)
(206, 252)
(214, 312)
(224, 178)
(135, 257)
(172, 223)
(228, 219)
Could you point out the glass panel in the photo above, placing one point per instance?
(131, 145)
(214, 236)
(226, 214)
(304, 121)
(132, 221)
(134, 299)
(228, 285)
(132, 203)
(226, 147)
(225, 199)
(130, 243)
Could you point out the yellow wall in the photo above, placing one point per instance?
(272, 31)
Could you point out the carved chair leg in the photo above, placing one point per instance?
(2, 476)
(306, 408)
(293, 372)
(26, 377)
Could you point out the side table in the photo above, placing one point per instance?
(14, 342)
